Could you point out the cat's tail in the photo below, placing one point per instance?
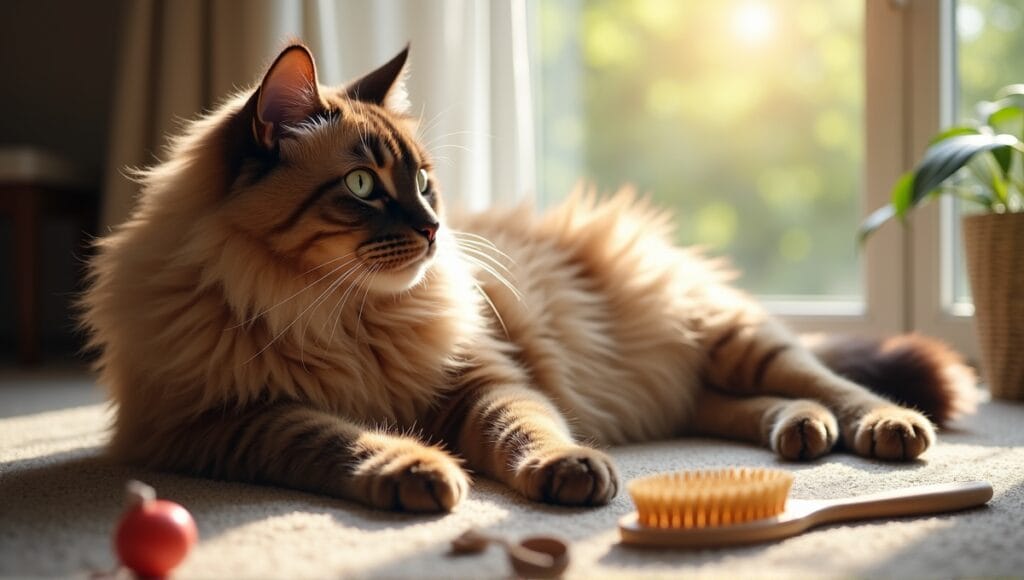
(913, 370)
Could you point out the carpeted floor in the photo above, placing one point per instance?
(59, 500)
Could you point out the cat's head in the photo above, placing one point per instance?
(333, 178)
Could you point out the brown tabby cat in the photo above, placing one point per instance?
(288, 302)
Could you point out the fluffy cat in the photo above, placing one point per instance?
(288, 303)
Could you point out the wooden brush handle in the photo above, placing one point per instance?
(800, 515)
(911, 501)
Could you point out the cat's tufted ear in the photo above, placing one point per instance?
(384, 86)
(288, 95)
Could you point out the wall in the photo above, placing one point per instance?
(58, 60)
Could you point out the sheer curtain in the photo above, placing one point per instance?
(469, 78)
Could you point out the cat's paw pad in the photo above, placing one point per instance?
(424, 480)
(804, 431)
(893, 433)
(573, 476)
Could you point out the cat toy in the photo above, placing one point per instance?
(711, 509)
(153, 535)
(532, 557)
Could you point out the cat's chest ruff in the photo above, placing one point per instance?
(400, 367)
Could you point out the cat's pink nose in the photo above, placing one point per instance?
(429, 232)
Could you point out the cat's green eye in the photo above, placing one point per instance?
(360, 183)
(422, 180)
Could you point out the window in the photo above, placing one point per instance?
(975, 51)
(988, 41)
(771, 127)
(743, 117)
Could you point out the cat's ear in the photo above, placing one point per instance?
(385, 86)
(288, 95)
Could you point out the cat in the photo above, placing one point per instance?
(290, 305)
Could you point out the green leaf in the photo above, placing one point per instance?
(901, 194)
(945, 158)
(979, 196)
(953, 132)
(1010, 90)
(991, 172)
(985, 109)
(1003, 157)
(1008, 119)
(874, 221)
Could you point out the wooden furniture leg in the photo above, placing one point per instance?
(26, 268)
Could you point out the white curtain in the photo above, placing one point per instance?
(469, 78)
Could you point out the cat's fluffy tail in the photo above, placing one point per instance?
(913, 370)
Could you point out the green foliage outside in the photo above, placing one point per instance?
(744, 117)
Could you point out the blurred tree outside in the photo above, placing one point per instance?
(742, 117)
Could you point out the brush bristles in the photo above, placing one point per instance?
(699, 499)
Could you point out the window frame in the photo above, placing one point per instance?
(933, 56)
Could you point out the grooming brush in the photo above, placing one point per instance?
(710, 509)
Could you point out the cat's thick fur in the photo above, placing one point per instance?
(261, 317)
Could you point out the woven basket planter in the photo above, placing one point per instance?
(994, 248)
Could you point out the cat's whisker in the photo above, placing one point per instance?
(453, 146)
(480, 244)
(366, 294)
(331, 289)
(437, 138)
(504, 282)
(483, 246)
(490, 259)
(424, 130)
(340, 306)
(465, 234)
(315, 302)
(360, 281)
(331, 261)
(259, 315)
(443, 159)
(501, 279)
(330, 315)
(425, 127)
(419, 118)
(494, 309)
(466, 245)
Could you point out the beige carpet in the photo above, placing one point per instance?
(59, 500)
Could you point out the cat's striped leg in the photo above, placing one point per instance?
(516, 435)
(755, 355)
(796, 429)
(295, 446)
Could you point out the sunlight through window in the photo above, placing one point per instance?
(754, 23)
(757, 152)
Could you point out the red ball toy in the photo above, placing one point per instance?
(154, 535)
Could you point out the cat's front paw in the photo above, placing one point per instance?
(893, 433)
(569, 476)
(804, 430)
(420, 479)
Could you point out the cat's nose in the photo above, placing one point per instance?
(428, 231)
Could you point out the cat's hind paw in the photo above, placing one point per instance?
(804, 430)
(893, 433)
(576, 476)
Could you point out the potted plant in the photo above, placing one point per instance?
(983, 164)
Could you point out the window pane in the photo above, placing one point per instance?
(989, 55)
(744, 117)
